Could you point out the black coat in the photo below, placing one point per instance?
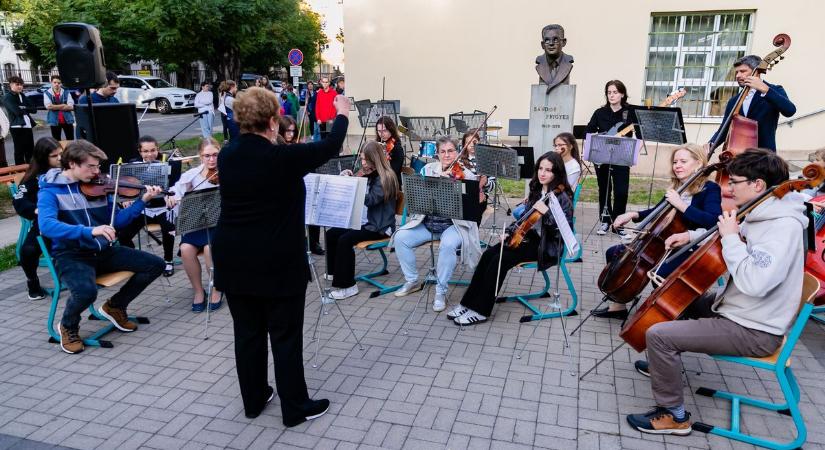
(17, 110)
(765, 110)
(259, 245)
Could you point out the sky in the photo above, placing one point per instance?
(332, 12)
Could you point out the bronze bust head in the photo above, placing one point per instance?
(553, 66)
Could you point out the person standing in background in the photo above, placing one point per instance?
(59, 104)
(19, 109)
(324, 109)
(203, 103)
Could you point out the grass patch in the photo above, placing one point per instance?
(637, 194)
(6, 208)
(8, 259)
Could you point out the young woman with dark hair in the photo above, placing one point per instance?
(386, 132)
(566, 146)
(615, 111)
(288, 130)
(46, 156)
(540, 244)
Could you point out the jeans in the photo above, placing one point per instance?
(407, 240)
(79, 268)
(23, 144)
(206, 124)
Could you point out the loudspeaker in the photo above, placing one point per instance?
(116, 130)
(79, 55)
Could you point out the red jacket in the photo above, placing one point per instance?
(324, 108)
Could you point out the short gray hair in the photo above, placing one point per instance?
(751, 61)
(443, 140)
(552, 26)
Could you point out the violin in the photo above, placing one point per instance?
(700, 271)
(456, 170)
(212, 176)
(626, 276)
(529, 219)
(743, 133)
(102, 185)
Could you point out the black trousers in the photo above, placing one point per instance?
(225, 124)
(341, 255)
(480, 296)
(3, 162)
(616, 201)
(314, 235)
(23, 145)
(127, 234)
(67, 128)
(282, 319)
(30, 255)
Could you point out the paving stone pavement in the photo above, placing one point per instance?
(437, 386)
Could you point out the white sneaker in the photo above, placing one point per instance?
(409, 287)
(340, 294)
(603, 229)
(328, 277)
(439, 302)
(456, 311)
(470, 317)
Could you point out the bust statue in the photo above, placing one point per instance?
(553, 66)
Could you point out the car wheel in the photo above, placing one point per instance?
(163, 106)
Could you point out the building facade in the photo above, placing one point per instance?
(444, 56)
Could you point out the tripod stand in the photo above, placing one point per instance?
(171, 140)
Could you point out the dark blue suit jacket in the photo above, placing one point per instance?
(764, 110)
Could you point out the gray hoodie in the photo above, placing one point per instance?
(767, 268)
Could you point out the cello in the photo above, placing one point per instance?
(743, 133)
(624, 278)
(700, 271)
(815, 259)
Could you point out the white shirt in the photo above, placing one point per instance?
(573, 169)
(746, 104)
(203, 101)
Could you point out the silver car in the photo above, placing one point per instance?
(135, 89)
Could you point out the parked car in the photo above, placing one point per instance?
(248, 80)
(134, 89)
(36, 95)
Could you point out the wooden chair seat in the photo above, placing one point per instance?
(771, 359)
(364, 244)
(153, 228)
(111, 279)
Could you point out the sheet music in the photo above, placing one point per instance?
(570, 241)
(335, 201)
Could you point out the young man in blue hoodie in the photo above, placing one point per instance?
(82, 241)
(750, 315)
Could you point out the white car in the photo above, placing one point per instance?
(135, 89)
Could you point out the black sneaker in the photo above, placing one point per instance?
(603, 227)
(269, 397)
(37, 293)
(316, 409)
(642, 367)
(660, 421)
(317, 249)
(169, 269)
(605, 313)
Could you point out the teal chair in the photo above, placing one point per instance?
(780, 364)
(105, 280)
(380, 245)
(25, 227)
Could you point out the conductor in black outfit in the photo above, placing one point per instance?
(259, 253)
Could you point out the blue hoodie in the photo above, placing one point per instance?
(67, 217)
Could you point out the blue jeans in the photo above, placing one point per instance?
(78, 269)
(206, 121)
(407, 240)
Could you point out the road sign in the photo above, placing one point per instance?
(296, 71)
(295, 57)
(295, 82)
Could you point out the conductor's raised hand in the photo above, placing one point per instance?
(342, 105)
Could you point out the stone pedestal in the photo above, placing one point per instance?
(550, 114)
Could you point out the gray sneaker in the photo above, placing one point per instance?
(603, 227)
(409, 287)
(439, 302)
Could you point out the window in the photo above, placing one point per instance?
(696, 52)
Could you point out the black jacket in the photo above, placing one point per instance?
(766, 111)
(259, 244)
(16, 108)
(605, 118)
(25, 200)
(380, 213)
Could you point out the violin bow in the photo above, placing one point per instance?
(473, 136)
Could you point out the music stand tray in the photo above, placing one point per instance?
(199, 210)
(661, 124)
(612, 150)
(497, 161)
(154, 173)
(433, 196)
(336, 165)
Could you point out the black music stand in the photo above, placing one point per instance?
(526, 162)
(613, 151)
(497, 162)
(336, 165)
(200, 210)
(659, 124)
(370, 112)
(462, 122)
(423, 128)
(431, 196)
(518, 127)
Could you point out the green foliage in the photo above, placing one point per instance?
(8, 258)
(226, 34)
(637, 193)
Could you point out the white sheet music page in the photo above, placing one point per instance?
(311, 187)
(570, 241)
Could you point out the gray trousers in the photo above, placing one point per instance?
(706, 333)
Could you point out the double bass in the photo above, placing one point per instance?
(625, 277)
(700, 271)
(742, 132)
(815, 259)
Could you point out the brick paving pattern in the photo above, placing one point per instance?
(438, 386)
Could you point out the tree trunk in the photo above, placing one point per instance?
(229, 64)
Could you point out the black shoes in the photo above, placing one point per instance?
(270, 396)
(642, 367)
(317, 249)
(316, 409)
(605, 313)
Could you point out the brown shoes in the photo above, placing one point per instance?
(70, 341)
(118, 317)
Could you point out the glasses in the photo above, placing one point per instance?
(447, 150)
(91, 166)
(732, 182)
(209, 156)
(554, 40)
